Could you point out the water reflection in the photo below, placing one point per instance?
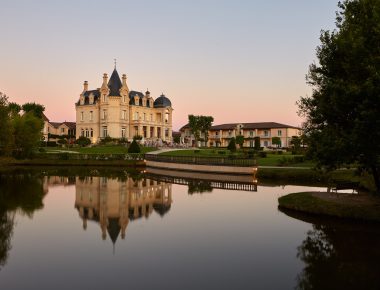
(113, 202)
(22, 194)
(338, 254)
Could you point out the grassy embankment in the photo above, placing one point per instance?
(105, 149)
(272, 159)
(350, 206)
(98, 156)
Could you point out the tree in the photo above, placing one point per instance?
(342, 114)
(200, 124)
(37, 109)
(205, 125)
(232, 145)
(276, 141)
(240, 140)
(6, 130)
(296, 143)
(177, 139)
(257, 143)
(27, 133)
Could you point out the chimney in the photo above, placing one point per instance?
(124, 80)
(105, 79)
(85, 86)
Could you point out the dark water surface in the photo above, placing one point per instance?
(100, 231)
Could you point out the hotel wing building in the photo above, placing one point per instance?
(115, 111)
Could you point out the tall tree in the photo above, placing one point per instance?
(37, 109)
(200, 124)
(6, 132)
(27, 133)
(205, 125)
(342, 114)
(276, 141)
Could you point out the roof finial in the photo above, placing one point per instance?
(115, 62)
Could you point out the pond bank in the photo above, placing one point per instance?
(362, 206)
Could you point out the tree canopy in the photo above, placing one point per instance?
(200, 124)
(20, 134)
(342, 114)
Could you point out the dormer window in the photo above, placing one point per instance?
(104, 98)
(91, 101)
(82, 100)
(137, 100)
(144, 102)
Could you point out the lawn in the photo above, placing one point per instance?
(270, 160)
(106, 149)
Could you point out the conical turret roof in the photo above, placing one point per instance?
(114, 84)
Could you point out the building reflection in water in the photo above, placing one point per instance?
(113, 203)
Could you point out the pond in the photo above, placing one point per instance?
(116, 230)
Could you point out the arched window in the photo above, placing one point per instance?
(82, 132)
(91, 133)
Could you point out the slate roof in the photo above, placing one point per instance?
(162, 102)
(114, 84)
(259, 125)
(55, 124)
(71, 125)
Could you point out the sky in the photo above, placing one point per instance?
(238, 61)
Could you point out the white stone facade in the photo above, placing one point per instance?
(115, 111)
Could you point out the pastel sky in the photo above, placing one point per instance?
(239, 61)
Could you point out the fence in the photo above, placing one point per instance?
(228, 161)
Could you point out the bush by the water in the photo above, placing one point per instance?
(134, 147)
(83, 141)
(232, 145)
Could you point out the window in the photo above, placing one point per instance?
(122, 132)
(265, 143)
(166, 132)
(125, 99)
(81, 116)
(144, 116)
(91, 133)
(87, 133)
(251, 134)
(104, 114)
(91, 116)
(279, 133)
(104, 98)
(266, 133)
(136, 116)
(62, 130)
(82, 132)
(229, 133)
(105, 133)
(124, 114)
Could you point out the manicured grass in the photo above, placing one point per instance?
(345, 207)
(200, 152)
(270, 160)
(106, 149)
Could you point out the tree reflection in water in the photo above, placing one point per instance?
(339, 255)
(21, 193)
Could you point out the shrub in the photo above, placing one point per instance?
(251, 154)
(298, 159)
(232, 145)
(262, 154)
(122, 141)
(222, 152)
(279, 152)
(134, 147)
(83, 141)
(41, 150)
(137, 138)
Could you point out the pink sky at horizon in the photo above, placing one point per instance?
(243, 69)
